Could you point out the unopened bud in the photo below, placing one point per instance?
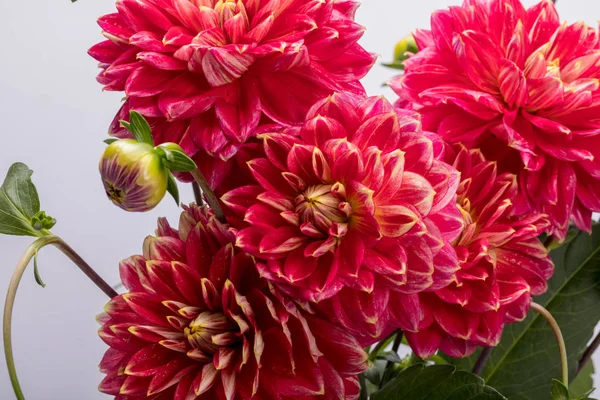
(134, 175)
(402, 51)
(406, 45)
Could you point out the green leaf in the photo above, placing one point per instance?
(586, 396)
(394, 65)
(172, 188)
(527, 359)
(36, 271)
(584, 383)
(390, 356)
(375, 372)
(559, 391)
(110, 140)
(176, 160)
(437, 382)
(19, 202)
(139, 127)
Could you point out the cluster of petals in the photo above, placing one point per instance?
(503, 264)
(199, 323)
(354, 199)
(207, 72)
(524, 88)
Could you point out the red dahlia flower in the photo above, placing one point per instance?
(204, 71)
(502, 264)
(523, 88)
(353, 198)
(198, 323)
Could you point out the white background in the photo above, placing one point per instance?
(54, 117)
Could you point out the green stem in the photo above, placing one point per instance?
(12, 293)
(380, 346)
(211, 198)
(562, 348)
(395, 348)
(364, 393)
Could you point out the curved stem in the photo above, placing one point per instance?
(211, 198)
(589, 352)
(482, 360)
(564, 364)
(11, 294)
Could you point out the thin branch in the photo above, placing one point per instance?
(211, 198)
(589, 352)
(564, 364)
(482, 360)
(397, 341)
(395, 347)
(85, 268)
(197, 193)
(380, 346)
(14, 285)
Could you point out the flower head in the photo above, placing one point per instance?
(205, 71)
(134, 175)
(354, 198)
(502, 264)
(523, 88)
(199, 323)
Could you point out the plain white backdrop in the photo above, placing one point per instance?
(54, 116)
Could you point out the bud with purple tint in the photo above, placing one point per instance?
(136, 174)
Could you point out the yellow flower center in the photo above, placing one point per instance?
(209, 331)
(115, 194)
(322, 205)
(228, 9)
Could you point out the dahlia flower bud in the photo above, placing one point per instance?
(207, 72)
(502, 265)
(198, 322)
(523, 88)
(134, 175)
(402, 51)
(355, 198)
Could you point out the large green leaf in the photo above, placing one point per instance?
(437, 382)
(584, 382)
(19, 202)
(523, 365)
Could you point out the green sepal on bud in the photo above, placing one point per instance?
(139, 128)
(136, 173)
(402, 51)
(175, 158)
(172, 188)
